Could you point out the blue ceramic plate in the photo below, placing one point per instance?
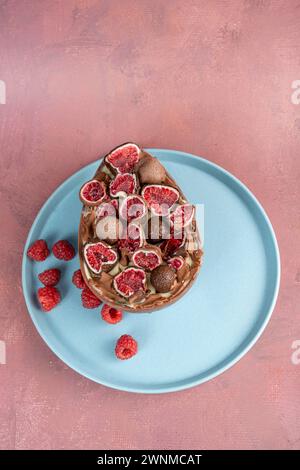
(208, 330)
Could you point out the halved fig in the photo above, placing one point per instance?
(160, 198)
(132, 208)
(99, 256)
(169, 247)
(107, 208)
(132, 238)
(182, 216)
(122, 185)
(123, 159)
(146, 258)
(176, 262)
(130, 281)
(92, 193)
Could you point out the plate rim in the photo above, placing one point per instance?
(193, 382)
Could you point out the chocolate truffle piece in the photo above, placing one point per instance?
(151, 171)
(162, 278)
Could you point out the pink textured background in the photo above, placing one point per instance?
(208, 77)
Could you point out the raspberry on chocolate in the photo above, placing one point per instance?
(38, 251)
(50, 277)
(48, 298)
(78, 280)
(111, 314)
(89, 300)
(126, 347)
(63, 250)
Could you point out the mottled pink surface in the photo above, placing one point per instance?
(208, 77)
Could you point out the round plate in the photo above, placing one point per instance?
(207, 330)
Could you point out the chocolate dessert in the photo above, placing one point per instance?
(139, 246)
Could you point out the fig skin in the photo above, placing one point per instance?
(162, 278)
(151, 171)
(108, 229)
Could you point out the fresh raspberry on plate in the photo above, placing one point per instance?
(50, 277)
(78, 280)
(111, 314)
(38, 251)
(48, 298)
(126, 347)
(63, 250)
(88, 298)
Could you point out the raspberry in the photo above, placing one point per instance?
(38, 251)
(48, 298)
(78, 280)
(126, 347)
(50, 277)
(111, 314)
(63, 250)
(88, 298)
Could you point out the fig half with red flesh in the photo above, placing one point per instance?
(132, 238)
(99, 256)
(176, 262)
(170, 246)
(160, 198)
(147, 259)
(130, 281)
(182, 216)
(123, 159)
(92, 193)
(132, 208)
(122, 185)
